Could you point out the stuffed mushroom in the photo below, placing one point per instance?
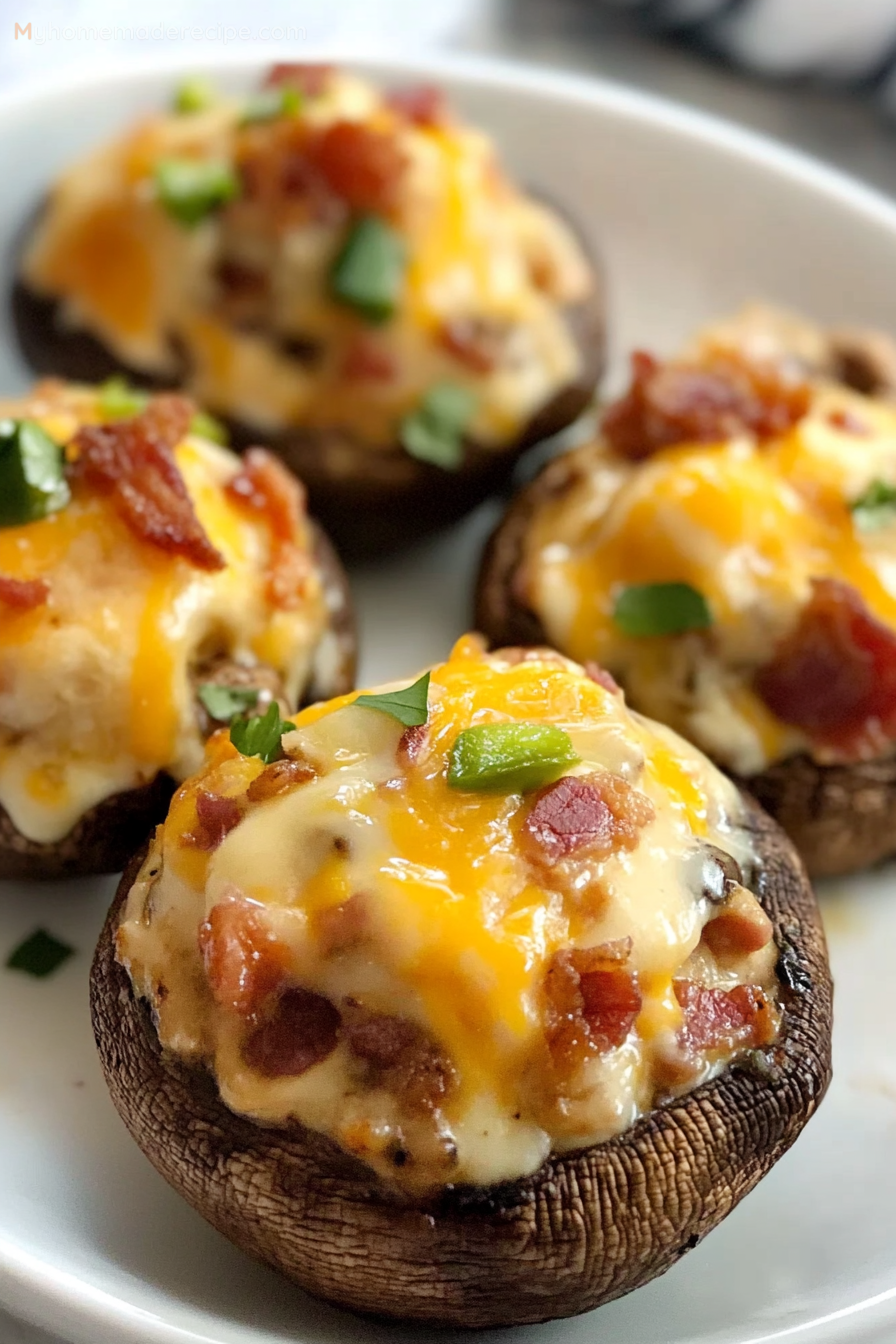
(348, 273)
(476, 1000)
(726, 548)
(151, 584)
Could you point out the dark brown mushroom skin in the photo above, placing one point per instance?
(586, 1228)
(370, 502)
(104, 839)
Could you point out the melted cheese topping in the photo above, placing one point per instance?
(478, 252)
(749, 525)
(459, 926)
(96, 694)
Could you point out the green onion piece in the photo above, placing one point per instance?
(205, 426)
(222, 702)
(190, 189)
(40, 955)
(119, 401)
(509, 757)
(270, 104)
(434, 432)
(874, 507)
(195, 95)
(32, 474)
(368, 273)
(661, 609)
(409, 705)
(260, 735)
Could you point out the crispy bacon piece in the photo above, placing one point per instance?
(834, 676)
(215, 818)
(368, 361)
(422, 104)
(592, 1000)
(740, 927)
(603, 678)
(132, 461)
(599, 813)
(402, 1058)
(244, 961)
(344, 925)
(474, 342)
(363, 167)
(704, 403)
(264, 486)
(411, 743)
(849, 422)
(309, 78)
(742, 1018)
(23, 594)
(301, 1031)
(279, 777)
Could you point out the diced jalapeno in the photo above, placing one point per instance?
(119, 401)
(509, 757)
(646, 609)
(190, 189)
(205, 426)
(270, 104)
(194, 95)
(434, 432)
(369, 271)
(32, 477)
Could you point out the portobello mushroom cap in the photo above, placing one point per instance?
(841, 818)
(586, 1228)
(106, 836)
(368, 500)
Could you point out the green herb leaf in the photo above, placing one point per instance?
(190, 189)
(875, 507)
(434, 432)
(509, 757)
(270, 104)
(205, 426)
(260, 735)
(369, 271)
(118, 400)
(195, 95)
(222, 702)
(661, 609)
(40, 955)
(408, 705)
(32, 474)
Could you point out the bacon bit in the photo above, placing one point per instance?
(132, 461)
(599, 812)
(849, 422)
(215, 819)
(403, 1058)
(23, 594)
(308, 78)
(422, 104)
(592, 1001)
(724, 1019)
(473, 341)
(411, 743)
(367, 360)
(834, 676)
(243, 293)
(264, 486)
(740, 927)
(302, 1030)
(344, 925)
(279, 777)
(363, 167)
(595, 672)
(244, 961)
(703, 403)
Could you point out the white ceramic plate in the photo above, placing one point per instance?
(692, 217)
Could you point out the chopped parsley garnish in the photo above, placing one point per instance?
(408, 705)
(261, 734)
(118, 400)
(434, 432)
(646, 609)
(195, 95)
(190, 189)
(205, 426)
(368, 273)
(32, 474)
(270, 104)
(222, 702)
(509, 757)
(39, 955)
(874, 507)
